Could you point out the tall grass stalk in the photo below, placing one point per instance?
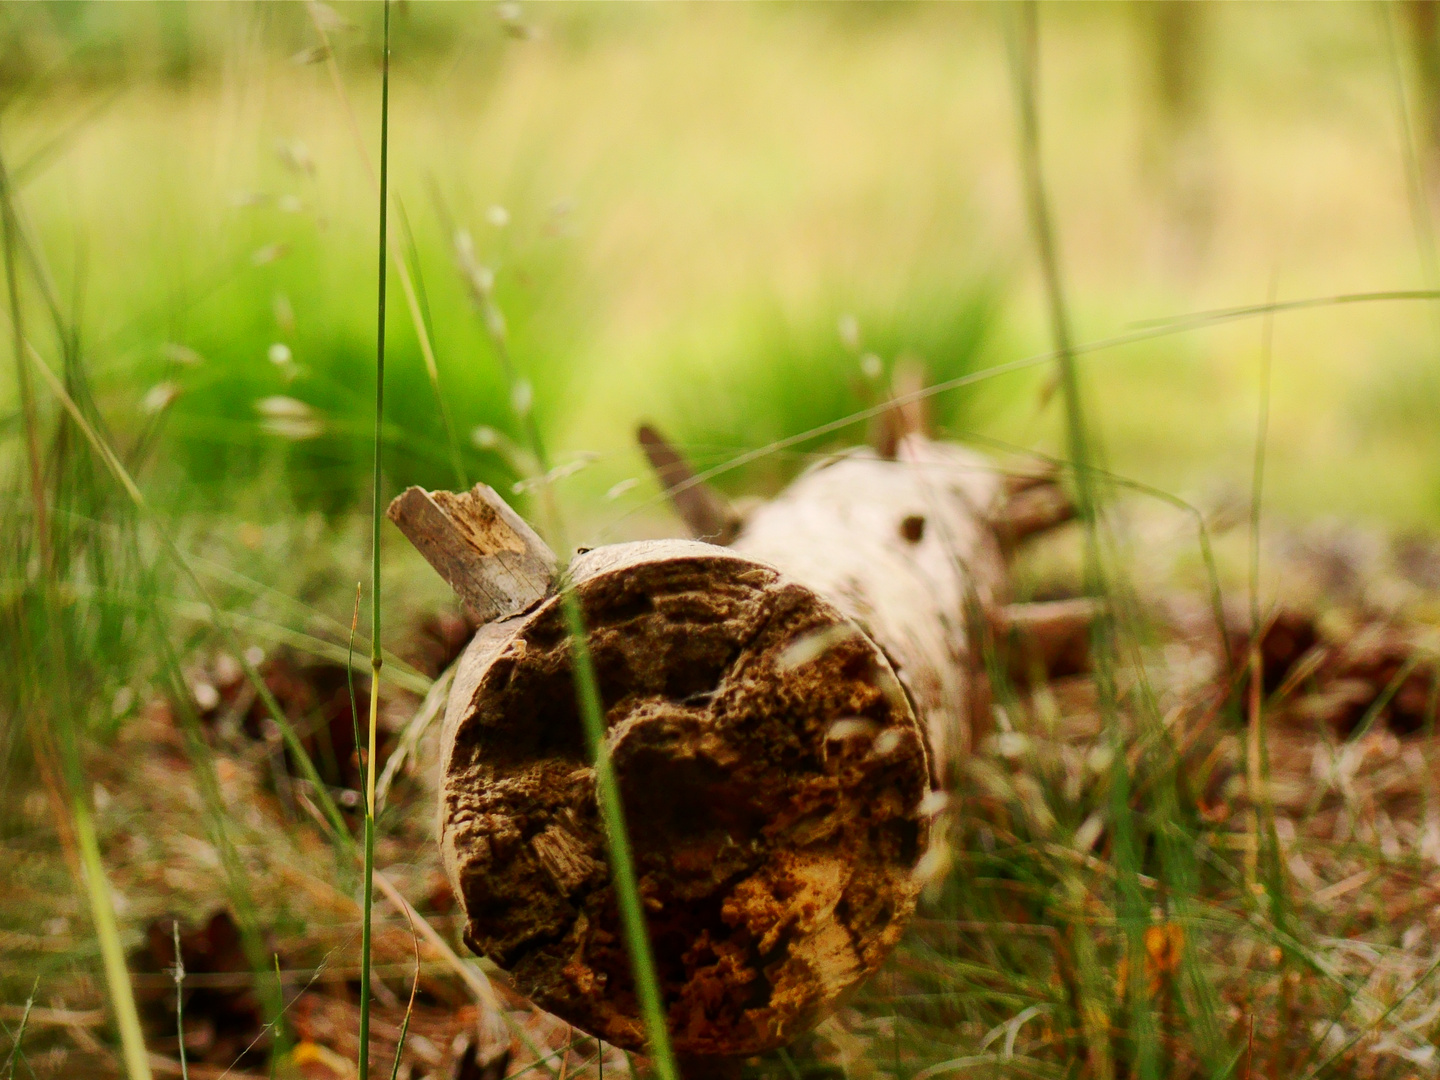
(16, 1054)
(58, 720)
(587, 689)
(1132, 911)
(376, 660)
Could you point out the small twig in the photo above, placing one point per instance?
(486, 552)
(179, 976)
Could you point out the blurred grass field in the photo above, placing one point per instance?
(694, 196)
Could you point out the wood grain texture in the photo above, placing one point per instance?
(486, 552)
(773, 804)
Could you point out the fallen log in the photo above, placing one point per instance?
(777, 712)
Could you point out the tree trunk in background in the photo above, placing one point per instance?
(1422, 31)
(1177, 150)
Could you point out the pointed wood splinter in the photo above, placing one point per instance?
(1030, 475)
(497, 564)
(706, 512)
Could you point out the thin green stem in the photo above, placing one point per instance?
(28, 411)
(15, 1053)
(112, 951)
(376, 659)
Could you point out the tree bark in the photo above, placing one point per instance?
(776, 712)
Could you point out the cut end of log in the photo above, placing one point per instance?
(773, 794)
(483, 549)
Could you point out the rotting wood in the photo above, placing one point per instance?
(773, 807)
(776, 712)
(482, 548)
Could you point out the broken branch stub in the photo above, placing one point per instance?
(486, 552)
(704, 510)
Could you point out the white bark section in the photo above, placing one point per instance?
(906, 548)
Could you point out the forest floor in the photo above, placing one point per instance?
(1313, 915)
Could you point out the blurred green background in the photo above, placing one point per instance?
(708, 216)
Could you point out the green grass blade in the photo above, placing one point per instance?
(122, 476)
(15, 1052)
(376, 509)
(28, 411)
(112, 952)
